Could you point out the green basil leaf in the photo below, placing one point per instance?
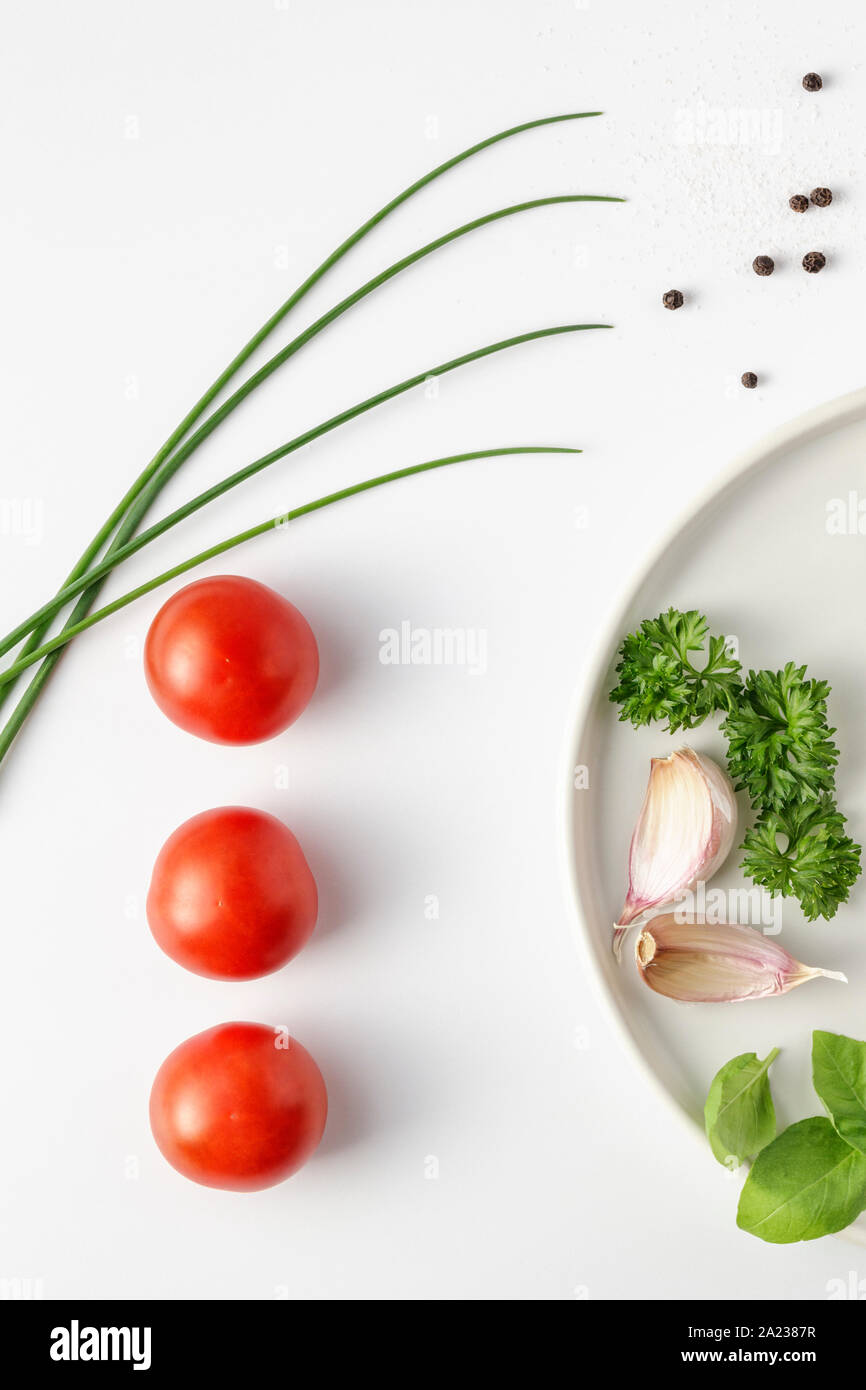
(739, 1115)
(839, 1076)
(807, 1183)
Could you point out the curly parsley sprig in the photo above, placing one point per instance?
(780, 748)
(817, 863)
(658, 680)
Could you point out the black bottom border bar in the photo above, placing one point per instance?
(155, 1338)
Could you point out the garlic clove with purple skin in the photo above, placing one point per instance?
(697, 962)
(684, 832)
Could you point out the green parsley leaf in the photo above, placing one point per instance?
(818, 863)
(657, 679)
(779, 743)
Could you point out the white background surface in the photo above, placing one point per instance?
(132, 268)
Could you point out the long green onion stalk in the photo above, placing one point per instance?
(273, 523)
(117, 532)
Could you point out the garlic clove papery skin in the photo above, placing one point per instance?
(696, 962)
(684, 832)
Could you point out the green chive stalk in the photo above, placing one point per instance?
(131, 547)
(273, 523)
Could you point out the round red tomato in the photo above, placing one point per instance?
(240, 1106)
(231, 895)
(230, 660)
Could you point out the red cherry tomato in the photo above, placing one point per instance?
(240, 1107)
(231, 660)
(232, 896)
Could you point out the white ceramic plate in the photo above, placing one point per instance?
(757, 557)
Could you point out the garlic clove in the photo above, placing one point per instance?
(684, 832)
(715, 963)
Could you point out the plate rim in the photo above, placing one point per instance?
(839, 411)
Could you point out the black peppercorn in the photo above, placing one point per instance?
(813, 82)
(799, 202)
(672, 299)
(813, 261)
(749, 380)
(763, 265)
(821, 197)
